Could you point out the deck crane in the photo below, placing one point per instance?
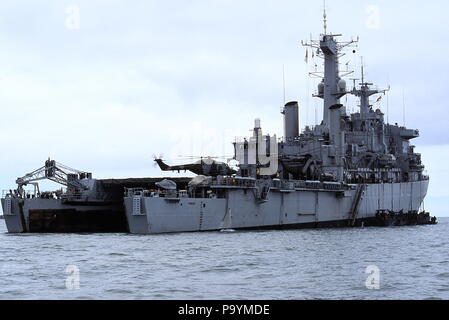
(55, 172)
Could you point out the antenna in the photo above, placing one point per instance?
(387, 108)
(363, 73)
(403, 106)
(307, 99)
(388, 81)
(283, 79)
(325, 18)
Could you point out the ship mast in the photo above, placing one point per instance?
(332, 87)
(364, 92)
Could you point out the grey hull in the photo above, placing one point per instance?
(282, 209)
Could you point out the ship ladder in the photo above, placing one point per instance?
(137, 206)
(356, 203)
(8, 210)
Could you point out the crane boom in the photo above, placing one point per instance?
(55, 172)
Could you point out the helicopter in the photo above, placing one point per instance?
(206, 166)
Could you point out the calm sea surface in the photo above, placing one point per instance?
(413, 263)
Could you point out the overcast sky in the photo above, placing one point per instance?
(103, 85)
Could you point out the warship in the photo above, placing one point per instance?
(353, 169)
(350, 170)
